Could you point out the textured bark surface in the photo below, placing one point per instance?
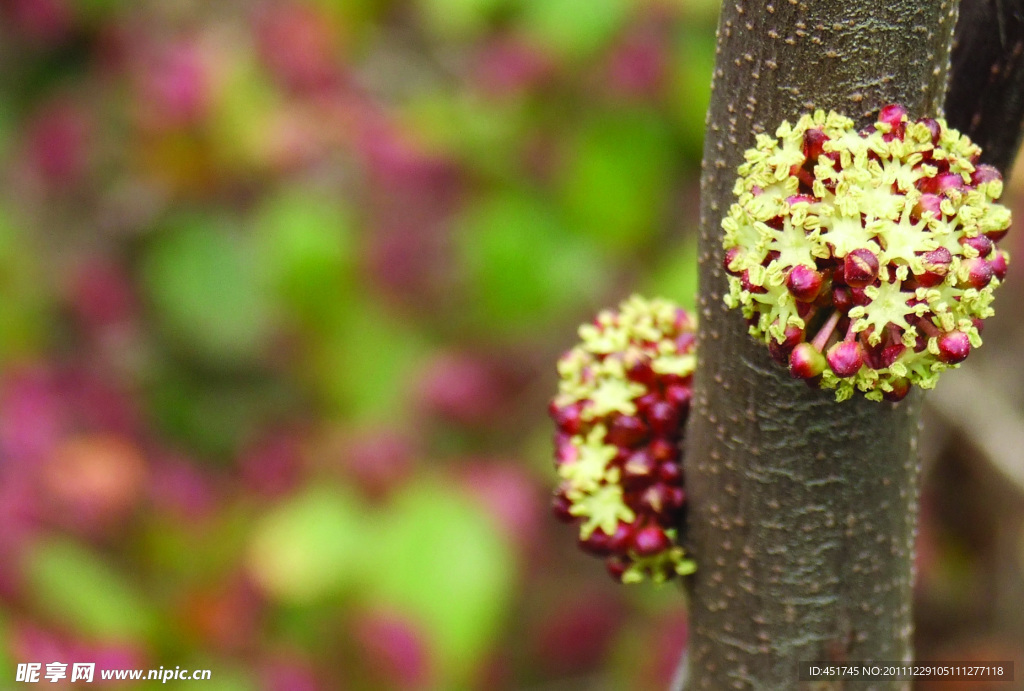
(986, 92)
(802, 510)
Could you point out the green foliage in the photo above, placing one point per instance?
(616, 182)
(573, 28)
(309, 547)
(200, 278)
(22, 307)
(524, 267)
(77, 588)
(438, 558)
(304, 243)
(363, 369)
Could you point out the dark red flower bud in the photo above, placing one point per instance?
(954, 347)
(657, 498)
(985, 173)
(747, 285)
(813, 145)
(804, 283)
(598, 544)
(859, 297)
(663, 417)
(894, 116)
(998, 264)
(936, 264)
(670, 473)
(730, 257)
(780, 351)
(616, 568)
(621, 539)
(860, 267)
(933, 127)
(663, 450)
(639, 467)
(650, 541)
(845, 358)
(979, 272)
(900, 389)
(627, 430)
(567, 418)
(805, 362)
(679, 395)
(842, 298)
(891, 354)
(928, 203)
(997, 235)
(979, 242)
(560, 506)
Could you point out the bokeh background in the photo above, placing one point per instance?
(281, 290)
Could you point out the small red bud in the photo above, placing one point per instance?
(894, 116)
(780, 351)
(928, 203)
(979, 242)
(900, 389)
(639, 467)
(998, 264)
(805, 362)
(954, 347)
(663, 418)
(842, 298)
(670, 473)
(747, 285)
(860, 267)
(813, 145)
(985, 173)
(730, 256)
(567, 418)
(891, 354)
(560, 506)
(616, 568)
(662, 450)
(979, 272)
(804, 283)
(627, 431)
(933, 128)
(845, 358)
(650, 541)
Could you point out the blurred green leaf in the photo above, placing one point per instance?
(675, 275)
(309, 547)
(523, 266)
(616, 183)
(438, 558)
(574, 28)
(202, 284)
(22, 314)
(212, 415)
(458, 18)
(77, 588)
(224, 676)
(243, 112)
(694, 58)
(365, 367)
(304, 243)
(487, 135)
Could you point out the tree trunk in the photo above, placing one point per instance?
(802, 511)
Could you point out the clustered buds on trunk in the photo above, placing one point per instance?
(623, 397)
(866, 260)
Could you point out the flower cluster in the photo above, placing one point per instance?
(623, 398)
(866, 260)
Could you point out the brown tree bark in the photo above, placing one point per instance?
(802, 511)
